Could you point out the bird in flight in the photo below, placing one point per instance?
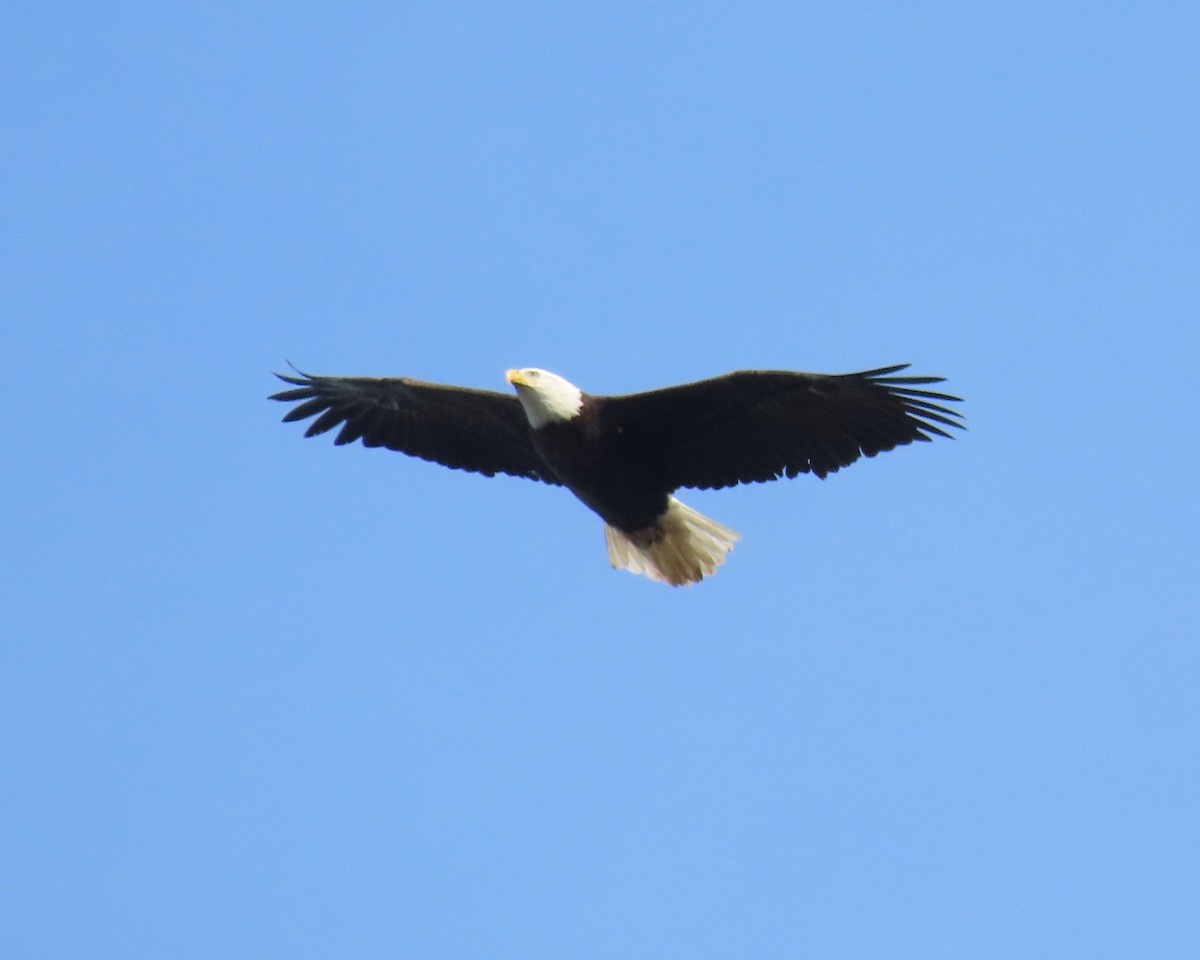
(625, 456)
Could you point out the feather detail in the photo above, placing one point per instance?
(682, 548)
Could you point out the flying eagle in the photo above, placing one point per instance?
(624, 456)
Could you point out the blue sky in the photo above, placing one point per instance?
(262, 697)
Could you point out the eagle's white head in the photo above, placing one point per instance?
(546, 397)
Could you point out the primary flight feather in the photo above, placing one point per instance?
(624, 456)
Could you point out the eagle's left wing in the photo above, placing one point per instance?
(478, 430)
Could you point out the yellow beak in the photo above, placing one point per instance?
(515, 378)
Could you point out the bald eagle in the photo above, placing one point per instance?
(624, 456)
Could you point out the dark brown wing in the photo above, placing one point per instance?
(753, 426)
(466, 429)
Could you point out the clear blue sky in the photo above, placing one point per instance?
(265, 698)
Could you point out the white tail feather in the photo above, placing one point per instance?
(682, 547)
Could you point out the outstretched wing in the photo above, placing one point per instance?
(477, 430)
(753, 426)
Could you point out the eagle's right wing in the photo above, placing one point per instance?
(757, 425)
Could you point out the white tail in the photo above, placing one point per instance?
(682, 547)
